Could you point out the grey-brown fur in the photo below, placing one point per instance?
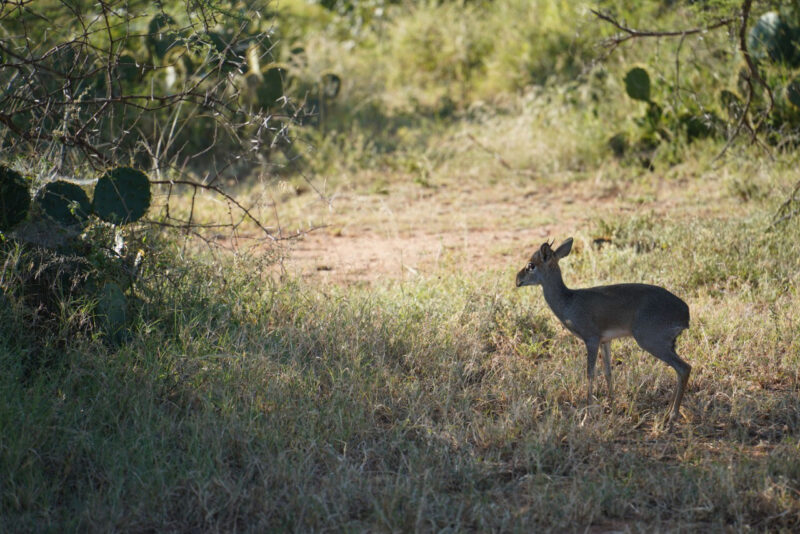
(653, 316)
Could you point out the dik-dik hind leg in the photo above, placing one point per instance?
(683, 369)
(607, 369)
(663, 348)
(591, 359)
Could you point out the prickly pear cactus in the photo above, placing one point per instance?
(618, 144)
(65, 203)
(14, 198)
(180, 58)
(793, 92)
(271, 87)
(128, 69)
(112, 308)
(771, 37)
(160, 38)
(121, 196)
(331, 83)
(637, 84)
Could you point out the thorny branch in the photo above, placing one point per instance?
(631, 33)
(67, 105)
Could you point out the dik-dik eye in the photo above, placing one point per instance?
(530, 266)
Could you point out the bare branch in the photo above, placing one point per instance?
(632, 33)
(754, 73)
(789, 209)
(223, 194)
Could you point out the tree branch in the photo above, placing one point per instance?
(746, 5)
(631, 33)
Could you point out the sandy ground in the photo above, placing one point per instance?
(410, 232)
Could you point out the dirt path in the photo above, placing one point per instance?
(371, 256)
(411, 232)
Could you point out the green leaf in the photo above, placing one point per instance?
(122, 196)
(637, 84)
(65, 203)
(14, 198)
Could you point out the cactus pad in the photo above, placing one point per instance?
(121, 196)
(637, 84)
(331, 83)
(14, 198)
(127, 68)
(160, 37)
(793, 92)
(773, 38)
(618, 144)
(112, 307)
(271, 88)
(65, 203)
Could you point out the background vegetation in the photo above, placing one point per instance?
(153, 381)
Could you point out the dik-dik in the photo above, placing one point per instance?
(651, 314)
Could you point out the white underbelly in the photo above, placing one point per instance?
(614, 333)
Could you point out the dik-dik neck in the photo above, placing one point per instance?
(556, 293)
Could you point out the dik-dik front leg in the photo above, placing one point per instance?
(591, 359)
(607, 368)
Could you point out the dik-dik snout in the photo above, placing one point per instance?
(528, 276)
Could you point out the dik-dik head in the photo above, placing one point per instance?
(543, 260)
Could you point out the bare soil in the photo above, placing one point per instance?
(413, 231)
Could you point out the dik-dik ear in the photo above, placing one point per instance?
(564, 248)
(545, 251)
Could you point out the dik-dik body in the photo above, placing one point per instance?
(653, 316)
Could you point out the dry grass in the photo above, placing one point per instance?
(442, 400)
(390, 377)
